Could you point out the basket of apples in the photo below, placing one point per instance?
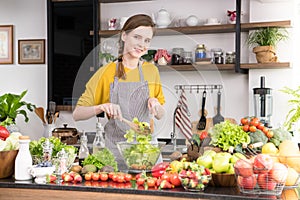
(194, 177)
(260, 175)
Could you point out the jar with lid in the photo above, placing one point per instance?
(177, 56)
(230, 57)
(218, 57)
(200, 52)
(187, 57)
(23, 160)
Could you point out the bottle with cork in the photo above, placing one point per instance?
(23, 160)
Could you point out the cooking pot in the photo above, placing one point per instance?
(66, 135)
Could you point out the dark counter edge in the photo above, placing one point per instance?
(210, 193)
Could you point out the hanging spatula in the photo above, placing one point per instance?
(218, 117)
(202, 122)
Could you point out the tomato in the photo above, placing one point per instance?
(203, 135)
(270, 134)
(138, 176)
(151, 182)
(140, 181)
(95, 176)
(63, 175)
(110, 175)
(265, 130)
(244, 121)
(4, 133)
(246, 127)
(114, 177)
(254, 121)
(260, 126)
(88, 176)
(128, 177)
(174, 179)
(120, 178)
(252, 129)
(103, 176)
(166, 176)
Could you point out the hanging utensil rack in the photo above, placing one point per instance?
(197, 88)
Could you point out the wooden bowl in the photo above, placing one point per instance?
(7, 160)
(223, 180)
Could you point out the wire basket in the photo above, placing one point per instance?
(261, 182)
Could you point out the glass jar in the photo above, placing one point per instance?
(218, 57)
(200, 52)
(177, 56)
(187, 57)
(230, 57)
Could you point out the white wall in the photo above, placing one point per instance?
(29, 20)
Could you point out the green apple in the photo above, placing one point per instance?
(230, 169)
(221, 162)
(236, 156)
(205, 161)
(211, 153)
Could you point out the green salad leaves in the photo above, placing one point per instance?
(226, 134)
(103, 157)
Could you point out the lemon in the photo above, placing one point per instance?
(269, 148)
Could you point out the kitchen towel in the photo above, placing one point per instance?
(182, 114)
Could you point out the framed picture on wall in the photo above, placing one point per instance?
(31, 51)
(6, 44)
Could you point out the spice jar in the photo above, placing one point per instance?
(177, 56)
(200, 52)
(230, 57)
(218, 57)
(187, 57)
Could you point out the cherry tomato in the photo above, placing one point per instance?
(110, 175)
(140, 181)
(114, 177)
(95, 176)
(254, 121)
(246, 127)
(88, 176)
(265, 130)
(138, 176)
(252, 129)
(174, 179)
(103, 176)
(151, 182)
(166, 176)
(270, 134)
(260, 126)
(244, 121)
(120, 178)
(128, 177)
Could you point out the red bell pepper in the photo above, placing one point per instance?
(4, 133)
(159, 169)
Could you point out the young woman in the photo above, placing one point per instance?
(126, 88)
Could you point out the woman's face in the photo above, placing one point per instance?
(137, 42)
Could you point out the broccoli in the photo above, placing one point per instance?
(258, 136)
(280, 135)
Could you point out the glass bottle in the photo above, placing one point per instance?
(23, 160)
(200, 52)
(83, 150)
(99, 142)
(47, 150)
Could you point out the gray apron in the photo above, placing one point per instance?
(132, 97)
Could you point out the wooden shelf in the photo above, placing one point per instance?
(64, 108)
(118, 1)
(222, 28)
(224, 67)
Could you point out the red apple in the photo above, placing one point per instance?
(243, 167)
(68, 178)
(278, 172)
(247, 182)
(77, 178)
(263, 163)
(265, 182)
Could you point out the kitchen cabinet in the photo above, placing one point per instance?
(214, 29)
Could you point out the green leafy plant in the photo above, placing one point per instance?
(106, 56)
(294, 114)
(11, 105)
(268, 36)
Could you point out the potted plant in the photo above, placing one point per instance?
(264, 41)
(11, 105)
(293, 115)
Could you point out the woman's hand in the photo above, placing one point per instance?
(112, 110)
(155, 108)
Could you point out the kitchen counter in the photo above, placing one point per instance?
(26, 190)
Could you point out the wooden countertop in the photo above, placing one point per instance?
(11, 189)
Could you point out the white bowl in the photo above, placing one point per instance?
(41, 171)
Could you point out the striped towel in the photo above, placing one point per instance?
(182, 114)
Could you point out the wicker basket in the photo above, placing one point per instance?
(7, 160)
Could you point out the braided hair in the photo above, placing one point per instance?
(132, 23)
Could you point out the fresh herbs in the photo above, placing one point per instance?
(102, 158)
(10, 107)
